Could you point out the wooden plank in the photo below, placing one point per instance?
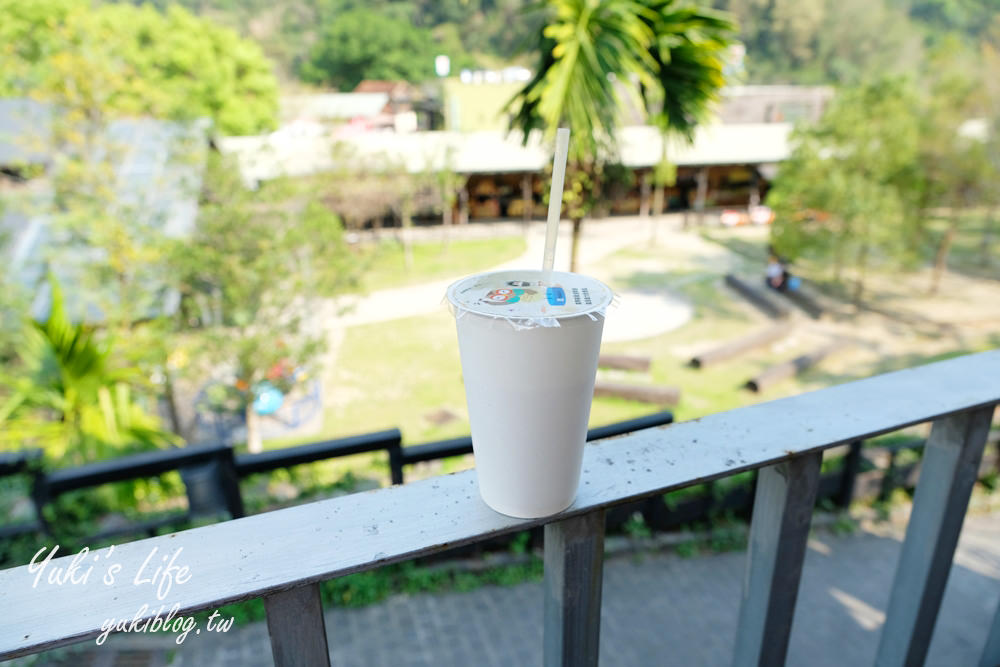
(804, 302)
(265, 553)
(793, 367)
(296, 626)
(950, 465)
(758, 298)
(574, 560)
(740, 345)
(991, 652)
(624, 362)
(783, 505)
(654, 394)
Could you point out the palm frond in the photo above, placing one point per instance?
(667, 56)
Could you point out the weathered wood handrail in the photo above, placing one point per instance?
(283, 555)
(433, 451)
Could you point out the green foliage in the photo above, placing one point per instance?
(66, 395)
(636, 527)
(658, 54)
(471, 32)
(584, 49)
(519, 545)
(844, 525)
(255, 270)
(118, 59)
(688, 53)
(848, 194)
(843, 41)
(365, 44)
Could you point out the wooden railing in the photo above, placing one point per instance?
(282, 556)
(211, 473)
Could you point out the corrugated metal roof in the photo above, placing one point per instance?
(158, 170)
(267, 157)
(24, 132)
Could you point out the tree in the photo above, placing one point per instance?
(666, 57)
(131, 61)
(959, 173)
(365, 44)
(253, 278)
(67, 395)
(849, 194)
(824, 41)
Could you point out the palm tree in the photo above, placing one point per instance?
(665, 57)
(66, 396)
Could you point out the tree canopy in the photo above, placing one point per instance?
(120, 59)
(846, 41)
(365, 44)
(665, 57)
(889, 164)
(252, 277)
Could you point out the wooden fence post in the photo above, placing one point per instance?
(950, 467)
(298, 631)
(783, 505)
(574, 559)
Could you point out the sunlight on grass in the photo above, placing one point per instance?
(386, 263)
(397, 373)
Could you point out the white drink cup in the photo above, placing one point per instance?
(529, 343)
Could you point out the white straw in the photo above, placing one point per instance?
(555, 200)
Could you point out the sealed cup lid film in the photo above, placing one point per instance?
(530, 295)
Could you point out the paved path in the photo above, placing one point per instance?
(658, 610)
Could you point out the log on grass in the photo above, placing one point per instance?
(624, 362)
(758, 297)
(740, 345)
(655, 394)
(805, 302)
(794, 366)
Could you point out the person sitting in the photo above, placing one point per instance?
(776, 274)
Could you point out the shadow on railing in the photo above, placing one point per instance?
(283, 555)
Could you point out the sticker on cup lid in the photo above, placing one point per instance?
(527, 295)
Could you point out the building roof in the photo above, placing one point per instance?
(333, 106)
(157, 177)
(24, 131)
(391, 88)
(770, 104)
(267, 157)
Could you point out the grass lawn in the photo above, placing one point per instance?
(399, 373)
(385, 264)
(719, 316)
(402, 373)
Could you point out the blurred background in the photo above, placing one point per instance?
(231, 224)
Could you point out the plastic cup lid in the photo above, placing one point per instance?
(526, 294)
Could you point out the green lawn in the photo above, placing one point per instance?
(385, 263)
(399, 373)
(718, 316)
